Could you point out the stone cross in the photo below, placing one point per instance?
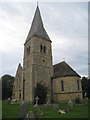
(37, 98)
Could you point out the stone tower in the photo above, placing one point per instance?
(37, 63)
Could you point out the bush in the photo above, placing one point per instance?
(41, 92)
(77, 100)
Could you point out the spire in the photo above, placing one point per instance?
(37, 27)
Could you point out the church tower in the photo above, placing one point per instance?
(37, 62)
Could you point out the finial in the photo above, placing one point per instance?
(37, 2)
(63, 59)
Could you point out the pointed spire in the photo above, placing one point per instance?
(37, 27)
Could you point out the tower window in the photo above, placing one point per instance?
(28, 50)
(62, 85)
(44, 49)
(41, 48)
(78, 86)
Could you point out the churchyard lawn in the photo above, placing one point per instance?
(79, 111)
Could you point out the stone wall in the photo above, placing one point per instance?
(70, 88)
(17, 88)
(37, 66)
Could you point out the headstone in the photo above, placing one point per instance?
(46, 106)
(56, 106)
(85, 95)
(30, 116)
(70, 105)
(41, 107)
(48, 99)
(37, 98)
(9, 100)
(14, 101)
(86, 98)
(23, 110)
(42, 114)
(61, 111)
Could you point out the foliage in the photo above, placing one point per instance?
(7, 86)
(41, 92)
(84, 85)
(77, 100)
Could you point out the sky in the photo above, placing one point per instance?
(65, 22)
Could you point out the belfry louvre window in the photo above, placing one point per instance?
(62, 85)
(44, 49)
(78, 86)
(41, 48)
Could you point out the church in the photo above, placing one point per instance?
(62, 81)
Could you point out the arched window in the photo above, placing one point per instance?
(78, 87)
(62, 85)
(44, 49)
(41, 48)
(29, 50)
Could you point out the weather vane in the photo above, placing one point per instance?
(37, 2)
(63, 59)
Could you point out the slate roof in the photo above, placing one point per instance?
(62, 69)
(37, 27)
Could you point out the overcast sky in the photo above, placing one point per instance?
(65, 23)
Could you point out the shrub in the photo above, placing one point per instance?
(77, 100)
(41, 92)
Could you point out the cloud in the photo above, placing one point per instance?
(67, 28)
(44, 1)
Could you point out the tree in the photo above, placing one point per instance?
(84, 85)
(7, 86)
(41, 91)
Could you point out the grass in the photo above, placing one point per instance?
(79, 111)
(9, 110)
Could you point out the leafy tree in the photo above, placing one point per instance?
(84, 85)
(7, 86)
(41, 91)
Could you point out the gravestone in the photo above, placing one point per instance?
(48, 99)
(37, 98)
(46, 106)
(30, 116)
(86, 98)
(56, 106)
(70, 105)
(60, 111)
(9, 100)
(14, 101)
(23, 109)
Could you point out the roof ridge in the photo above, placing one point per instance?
(63, 69)
(59, 63)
